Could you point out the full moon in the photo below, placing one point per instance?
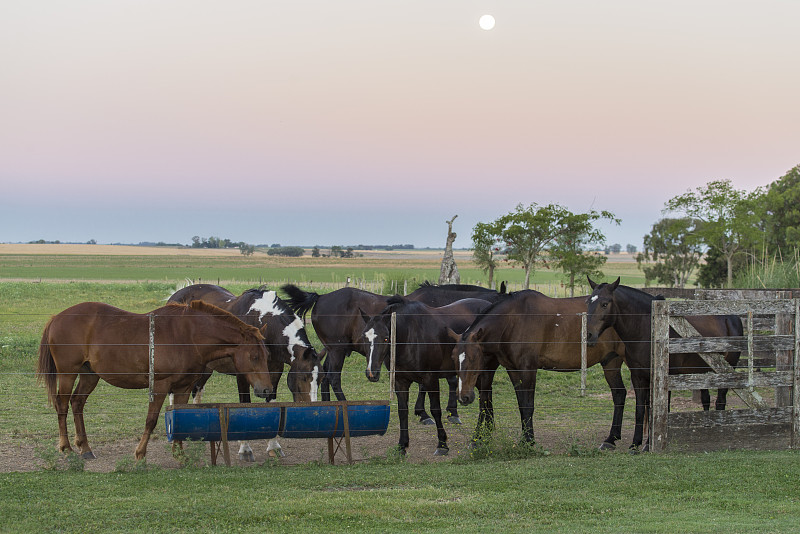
(486, 22)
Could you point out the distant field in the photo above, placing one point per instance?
(162, 264)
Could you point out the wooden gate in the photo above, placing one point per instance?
(770, 421)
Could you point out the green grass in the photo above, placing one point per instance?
(721, 492)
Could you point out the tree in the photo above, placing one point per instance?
(569, 247)
(675, 248)
(485, 244)
(730, 223)
(315, 252)
(448, 273)
(529, 231)
(781, 203)
(631, 249)
(246, 250)
(336, 251)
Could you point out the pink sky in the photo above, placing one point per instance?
(312, 122)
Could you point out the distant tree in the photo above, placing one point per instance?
(315, 252)
(485, 247)
(675, 250)
(336, 251)
(91, 242)
(781, 203)
(348, 252)
(568, 252)
(286, 251)
(730, 222)
(247, 250)
(631, 249)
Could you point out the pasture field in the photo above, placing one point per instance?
(561, 484)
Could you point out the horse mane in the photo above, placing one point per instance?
(454, 287)
(226, 316)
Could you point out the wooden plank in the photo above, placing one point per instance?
(767, 429)
(731, 418)
(783, 357)
(767, 344)
(659, 373)
(795, 441)
(729, 380)
(730, 307)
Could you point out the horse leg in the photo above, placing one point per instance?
(61, 402)
(153, 410)
(274, 449)
(641, 387)
(613, 374)
(431, 387)
(525, 387)
(722, 397)
(485, 425)
(401, 390)
(86, 384)
(183, 398)
(334, 362)
(419, 409)
(452, 400)
(705, 399)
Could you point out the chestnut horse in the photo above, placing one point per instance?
(284, 335)
(628, 312)
(529, 331)
(92, 340)
(422, 354)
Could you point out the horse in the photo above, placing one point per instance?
(284, 334)
(628, 311)
(530, 331)
(337, 322)
(422, 354)
(92, 340)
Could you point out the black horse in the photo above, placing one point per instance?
(338, 323)
(530, 331)
(628, 311)
(284, 335)
(423, 349)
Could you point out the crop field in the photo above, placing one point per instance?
(562, 483)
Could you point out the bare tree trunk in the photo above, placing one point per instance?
(449, 272)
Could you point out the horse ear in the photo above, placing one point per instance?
(478, 334)
(615, 284)
(592, 283)
(263, 330)
(503, 288)
(453, 335)
(364, 316)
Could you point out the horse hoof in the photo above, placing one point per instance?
(89, 455)
(276, 453)
(606, 446)
(441, 451)
(247, 456)
(454, 419)
(427, 421)
(634, 450)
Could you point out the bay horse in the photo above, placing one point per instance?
(529, 331)
(628, 311)
(423, 349)
(92, 340)
(285, 336)
(338, 324)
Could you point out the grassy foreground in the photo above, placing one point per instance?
(720, 492)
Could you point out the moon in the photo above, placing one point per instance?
(486, 22)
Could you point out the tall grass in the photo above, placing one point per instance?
(771, 272)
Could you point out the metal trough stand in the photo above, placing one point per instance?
(217, 423)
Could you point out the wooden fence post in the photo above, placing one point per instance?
(392, 354)
(583, 354)
(659, 376)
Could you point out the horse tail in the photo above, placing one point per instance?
(46, 370)
(300, 301)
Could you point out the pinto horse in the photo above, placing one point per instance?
(422, 354)
(90, 341)
(338, 323)
(628, 312)
(284, 335)
(529, 331)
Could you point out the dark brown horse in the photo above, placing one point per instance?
(285, 336)
(422, 354)
(90, 341)
(529, 331)
(337, 321)
(628, 312)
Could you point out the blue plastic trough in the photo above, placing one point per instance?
(220, 423)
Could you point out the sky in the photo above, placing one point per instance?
(310, 122)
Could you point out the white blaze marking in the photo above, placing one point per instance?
(594, 298)
(370, 335)
(461, 358)
(314, 376)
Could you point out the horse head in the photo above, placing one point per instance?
(305, 374)
(251, 359)
(468, 359)
(601, 310)
(374, 343)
